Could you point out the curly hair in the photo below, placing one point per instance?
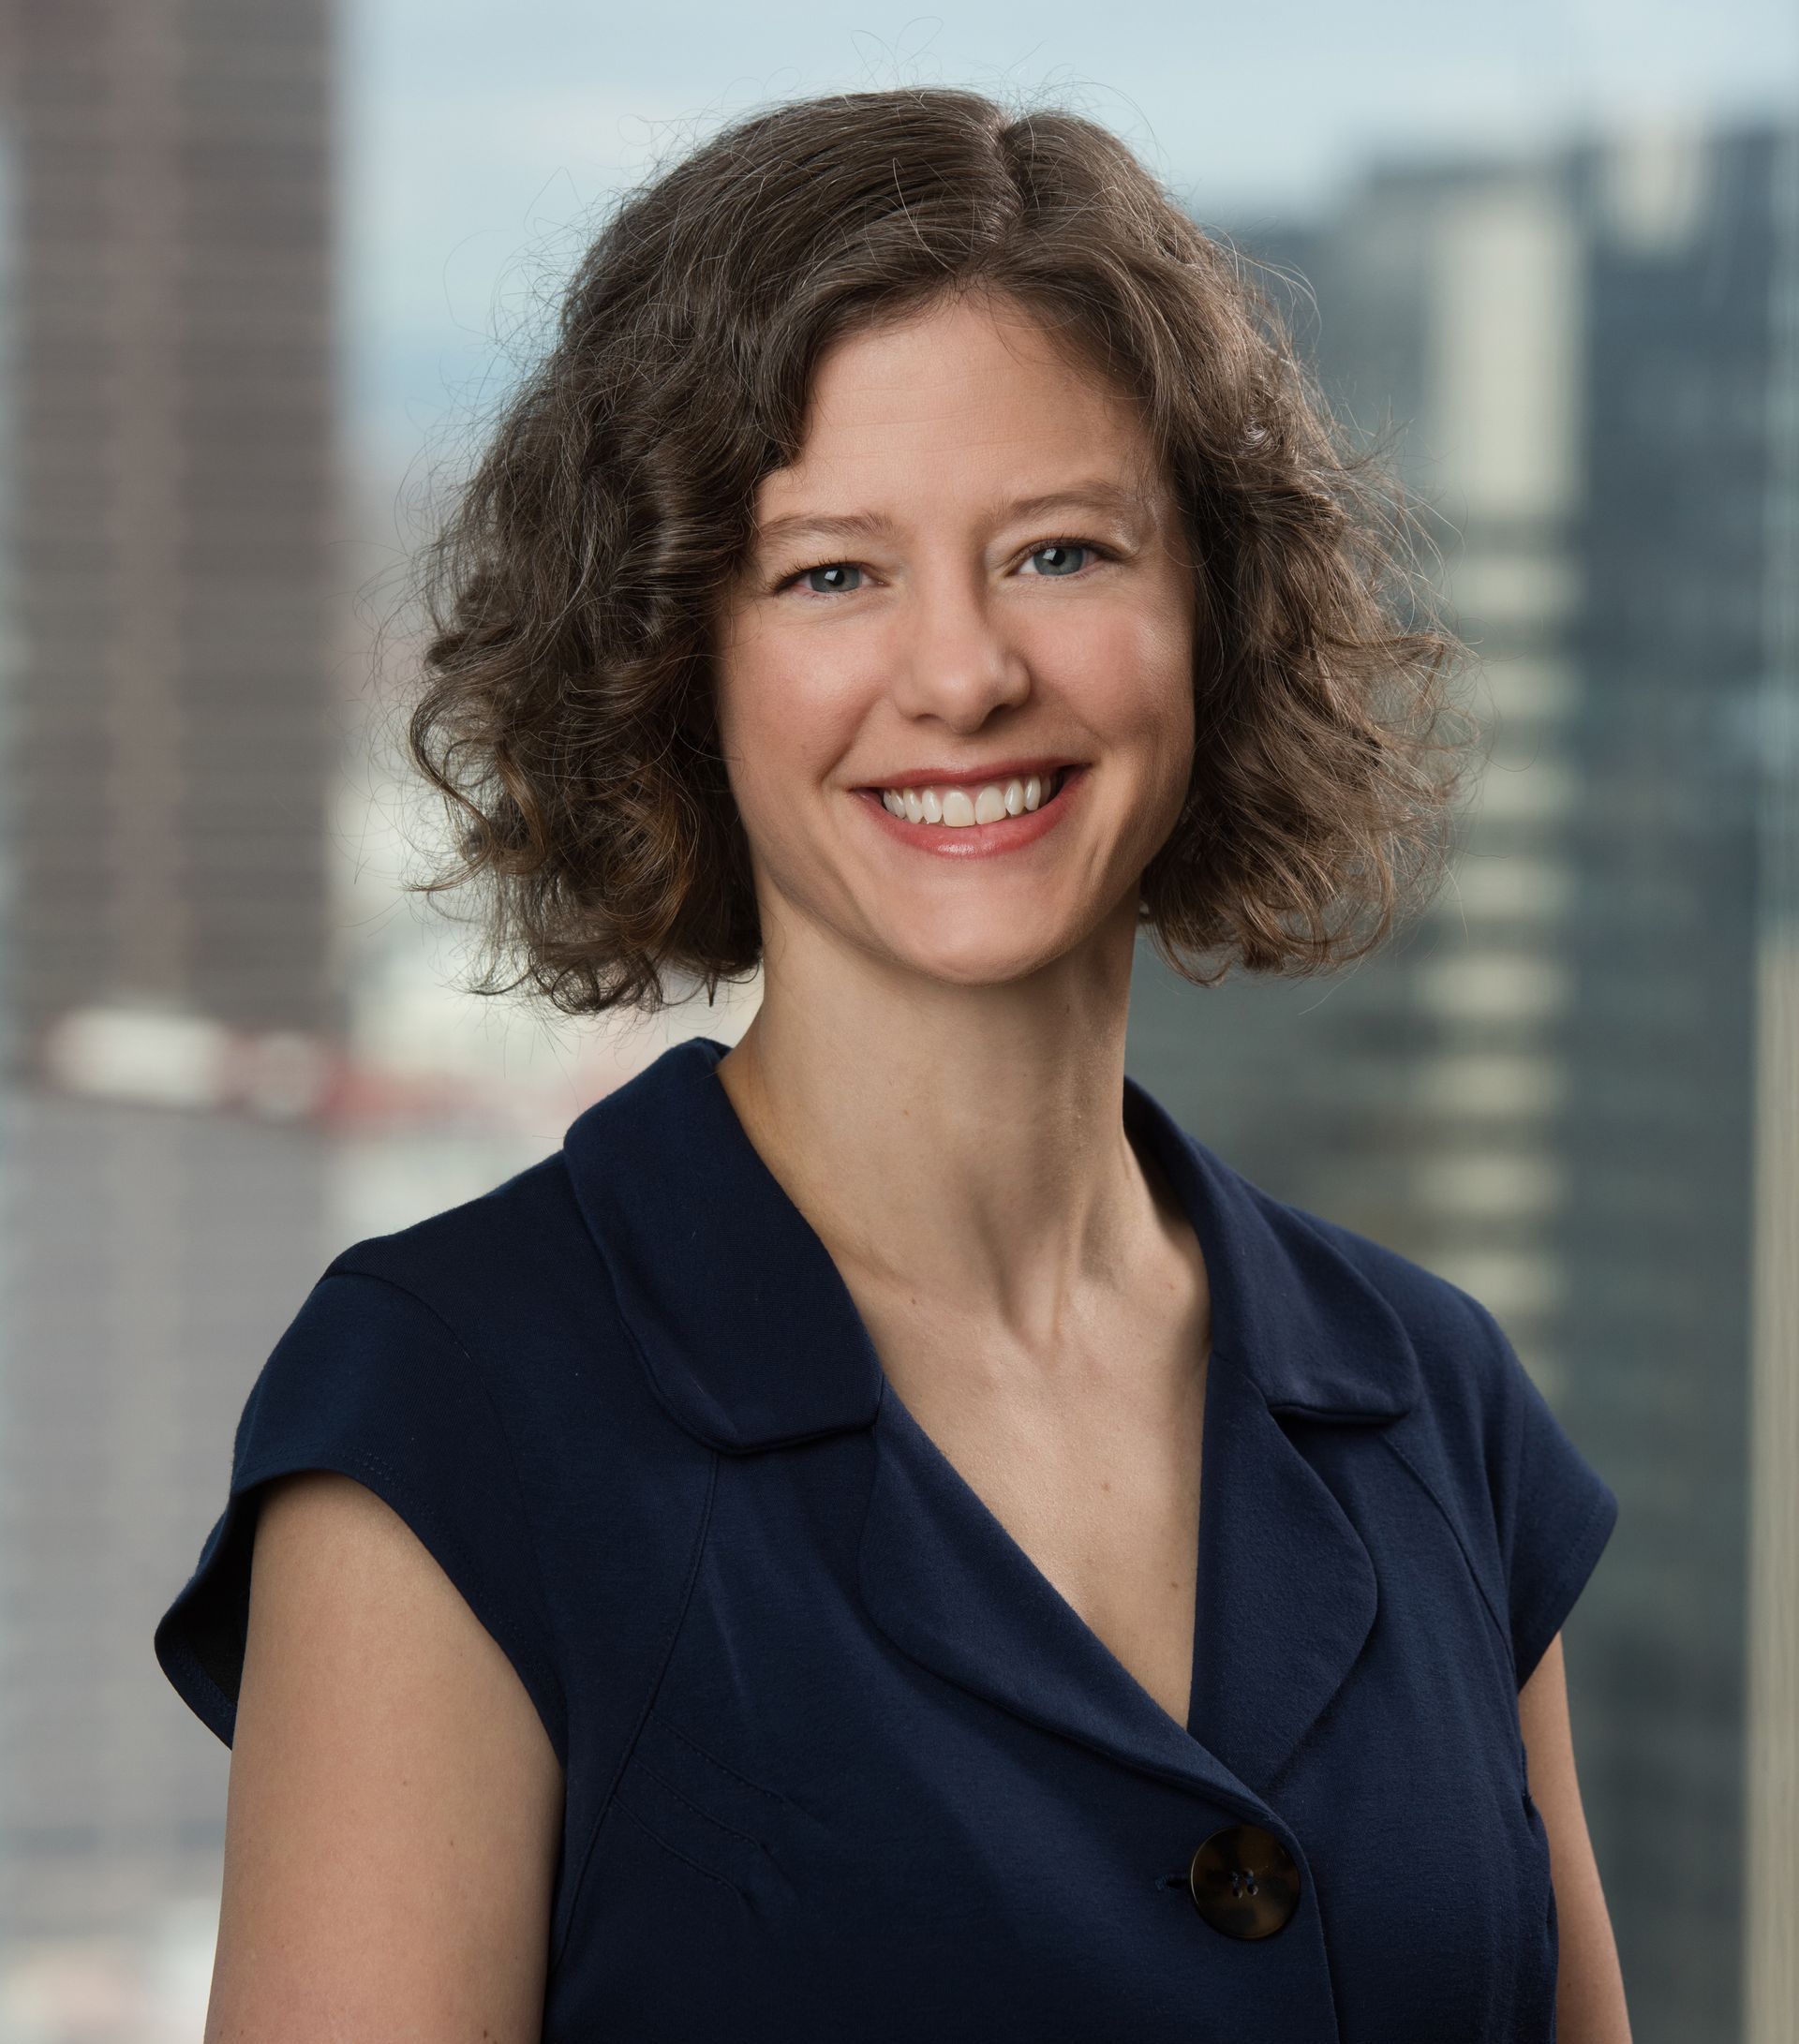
(566, 716)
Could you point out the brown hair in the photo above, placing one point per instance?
(566, 713)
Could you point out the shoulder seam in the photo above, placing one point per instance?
(1500, 1625)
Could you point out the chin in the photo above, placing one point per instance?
(993, 959)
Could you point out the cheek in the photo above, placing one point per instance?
(784, 726)
(1154, 722)
(1140, 686)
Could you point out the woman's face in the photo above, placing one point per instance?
(972, 576)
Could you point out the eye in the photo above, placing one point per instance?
(826, 568)
(1061, 571)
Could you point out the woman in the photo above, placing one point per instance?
(750, 1573)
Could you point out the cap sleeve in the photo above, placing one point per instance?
(1555, 1511)
(369, 1382)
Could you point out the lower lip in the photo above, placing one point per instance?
(980, 841)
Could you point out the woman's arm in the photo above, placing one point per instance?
(1589, 1994)
(394, 1803)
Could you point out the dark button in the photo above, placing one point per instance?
(1243, 1882)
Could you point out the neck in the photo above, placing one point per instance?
(969, 1140)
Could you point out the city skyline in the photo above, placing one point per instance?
(1541, 1092)
(478, 147)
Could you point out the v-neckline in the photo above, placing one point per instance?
(980, 1520)
(979, 1523)
(751, 1343)
(896, 1421)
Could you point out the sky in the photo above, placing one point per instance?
(480, 143)
(479, 136)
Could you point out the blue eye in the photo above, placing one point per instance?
(835, 573)
(829, 568)
(1064, 547)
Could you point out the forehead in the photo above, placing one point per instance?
(965, 399)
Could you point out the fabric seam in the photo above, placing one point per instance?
(1500, 1626)
(1582, 1552)
(657, 1838)
(222, 1714)
(687, 1803)
(669, 1726)
(584, 1863)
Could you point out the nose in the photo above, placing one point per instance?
(954, 661)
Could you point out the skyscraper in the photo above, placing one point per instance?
(1551, 1090)
(168, 758)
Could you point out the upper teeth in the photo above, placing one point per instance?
(959, 807)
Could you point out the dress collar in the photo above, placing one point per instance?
(752, 1340)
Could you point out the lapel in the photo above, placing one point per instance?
(749, 1335)
(751, 1342)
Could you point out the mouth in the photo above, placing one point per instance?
(970, 820)
(964, 805)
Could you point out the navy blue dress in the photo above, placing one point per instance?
(841, 1762)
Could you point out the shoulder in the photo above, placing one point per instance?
(494, 1315)
(1334, 1322)
(503, 1242)
(1462, 1352)
(1342, 1325)
(1474, 1427)
(510, 1270)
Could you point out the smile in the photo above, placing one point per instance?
(960, 807)
(975, 822)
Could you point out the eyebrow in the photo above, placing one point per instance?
(1098, 495)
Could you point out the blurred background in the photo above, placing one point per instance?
(264, 264)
